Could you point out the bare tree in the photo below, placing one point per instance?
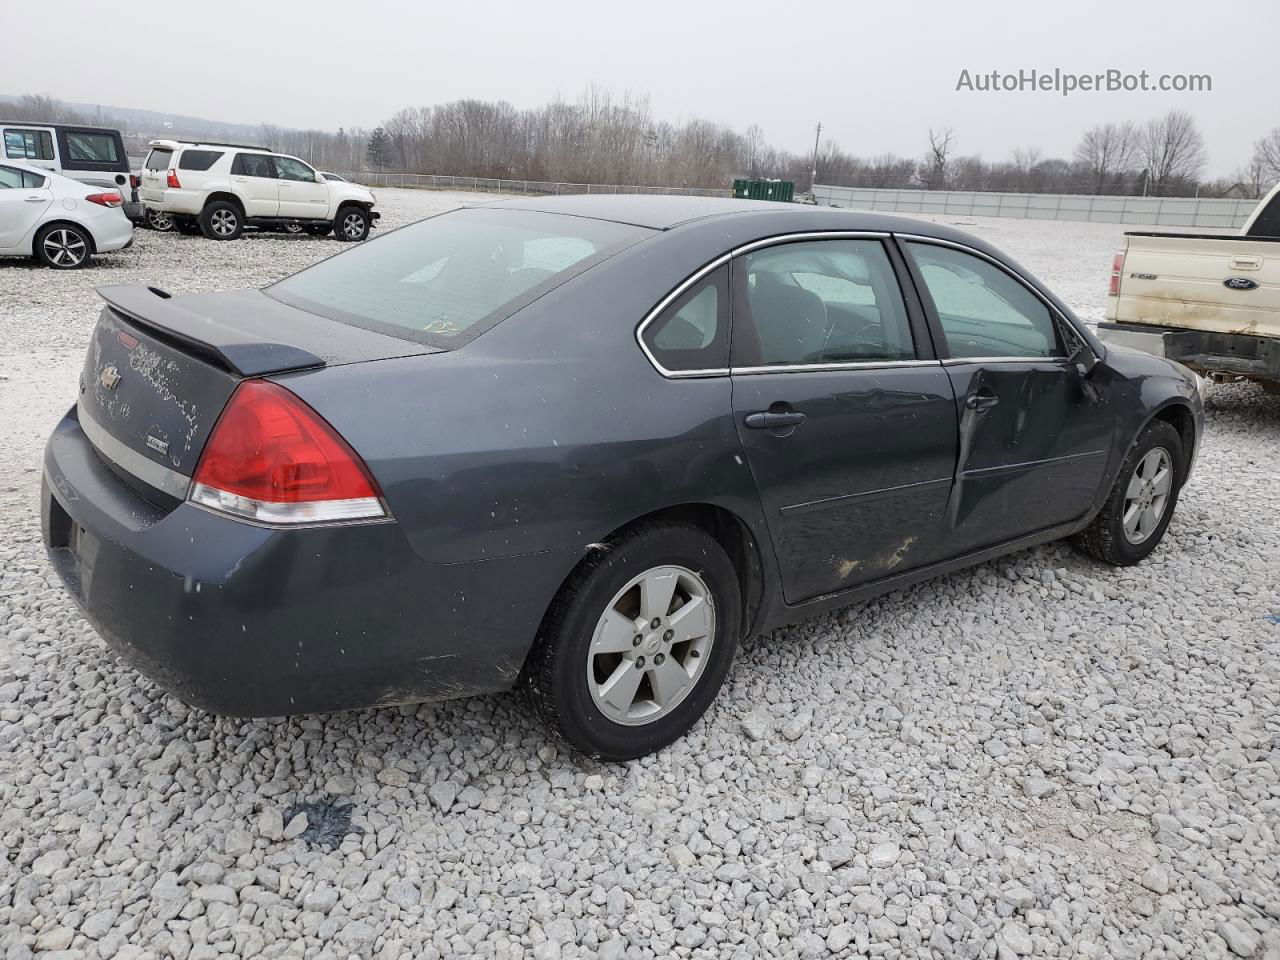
(935, 171)
(1266, 156)
(1172, 151)
(1107, 151)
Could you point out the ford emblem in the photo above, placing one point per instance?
(1240, 283)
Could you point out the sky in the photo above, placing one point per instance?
(877, 75)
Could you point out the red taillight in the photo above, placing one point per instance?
(172, 181)
(111, 199)
(135, 181)
(273, 459)
(1117, 268)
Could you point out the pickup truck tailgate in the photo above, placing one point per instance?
(1220, 284)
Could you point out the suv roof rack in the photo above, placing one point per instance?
(211, 143)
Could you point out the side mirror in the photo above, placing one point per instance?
(320, 177)
(1084, 360)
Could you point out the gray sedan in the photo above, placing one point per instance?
(584, 446)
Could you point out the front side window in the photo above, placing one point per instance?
(288, 168)
(447, 279)
(984, 312)
(85, 147)
(253, 165)
(822, 301)
(28, 145)
(692, 333)
(198, 159)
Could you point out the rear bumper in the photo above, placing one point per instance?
(1203, 351)
(111, 231)
(135, 210)
(253, 621)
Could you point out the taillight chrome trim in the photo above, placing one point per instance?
(306, 513)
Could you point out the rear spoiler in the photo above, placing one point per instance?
(235, 349)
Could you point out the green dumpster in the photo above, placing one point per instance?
(749, 189)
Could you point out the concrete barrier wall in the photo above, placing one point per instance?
(1184, 212)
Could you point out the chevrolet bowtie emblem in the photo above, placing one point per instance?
(110, 377)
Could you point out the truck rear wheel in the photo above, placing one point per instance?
(221, 220)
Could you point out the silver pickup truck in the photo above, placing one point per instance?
(1209, 301)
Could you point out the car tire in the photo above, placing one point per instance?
(352, 224)
(1136, 514)
(221, 220)
(63, 246)
(159, 221)
(293, 229)
(597, 672)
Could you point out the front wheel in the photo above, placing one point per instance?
(63, 246)
(352, 224)
(636, 646)
(1137, 512)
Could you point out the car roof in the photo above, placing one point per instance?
(669, 212)
(59, 126)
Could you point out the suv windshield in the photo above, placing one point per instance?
(448, 279)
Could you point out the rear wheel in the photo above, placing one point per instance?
(1134, 519)
(293, 228)
(63, 246)
(352, 224)
(159, 220)
(221, 220)
(637, 644)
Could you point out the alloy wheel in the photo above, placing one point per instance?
(353, 225)
(651, 644)
(223, 222)
(159, 220)
(1147, 495)
(65, 248)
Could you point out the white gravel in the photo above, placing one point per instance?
(1041, 756)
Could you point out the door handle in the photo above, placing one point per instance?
(764, 420)
(1246, 263)
(981, 400)
(33, 199)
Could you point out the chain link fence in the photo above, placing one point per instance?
(1204, 213)
(492, 185)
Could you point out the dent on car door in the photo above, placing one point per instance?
(846, 420)
(1033, 434)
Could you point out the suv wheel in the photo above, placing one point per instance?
(221, 220)
(352, 224)
(637, 644)
(159, 220)
(293, 228)
(63, 246)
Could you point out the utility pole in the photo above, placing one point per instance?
(814, 176)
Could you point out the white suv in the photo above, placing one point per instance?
(221, 188)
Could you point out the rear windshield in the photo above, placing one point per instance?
(445, 280)
(159, 159)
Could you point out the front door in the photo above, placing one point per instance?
(1034, 435)
(300, 195)
(254, 176)
(847, 421)
(24, 197)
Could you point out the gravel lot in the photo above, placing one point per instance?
(1041, 756)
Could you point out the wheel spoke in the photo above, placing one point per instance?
(656, 591)
(669, 680)
(692, 621)
(1162, 482)
(1132, 515)
(619, 690)
(1151, 462)
(614, 635)
(1135, 486)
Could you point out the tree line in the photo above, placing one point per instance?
(610, 139)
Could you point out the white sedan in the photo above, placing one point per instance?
(57, 220)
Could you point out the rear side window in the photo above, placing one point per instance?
(198, 159)
(692, 333)
(253, 165)
(1267, 223)
(85, 147)
(158, 159)
(446, 280)
(14, 179)
(28, 145)
(817, 302)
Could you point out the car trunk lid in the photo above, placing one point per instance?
(160, 369)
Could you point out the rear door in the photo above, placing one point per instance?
(24, 197)
(254, 178)
(847, 420)
(94, 156)
(300, 195)
(1033, 436)
(31, 144)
